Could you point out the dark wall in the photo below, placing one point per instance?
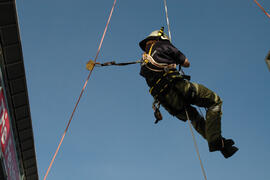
(12, 66)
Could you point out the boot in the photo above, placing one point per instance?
(228, 150)
(216, 145)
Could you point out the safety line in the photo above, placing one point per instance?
(190, 126)
(196, 146)
(167, 18)
(168, 25)
(82, 91)
(267, 14)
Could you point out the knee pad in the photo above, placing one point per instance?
(215, 108)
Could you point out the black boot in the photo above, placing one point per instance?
(216, 145)
(228, 150)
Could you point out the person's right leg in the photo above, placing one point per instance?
(174, 102)
(179, 98)
(204, 97)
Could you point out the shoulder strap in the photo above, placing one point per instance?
(150, 51)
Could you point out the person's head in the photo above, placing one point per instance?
(156, 35)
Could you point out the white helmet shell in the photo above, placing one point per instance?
(153, 36)
(157, 33)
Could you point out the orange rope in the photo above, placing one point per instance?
(267, 14)
(64, 134)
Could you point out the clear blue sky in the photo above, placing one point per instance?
(113, 135)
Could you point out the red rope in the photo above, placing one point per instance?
(82, 91)
(267, 14)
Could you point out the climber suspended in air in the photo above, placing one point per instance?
(177, 94)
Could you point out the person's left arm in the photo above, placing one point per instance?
(179, 57)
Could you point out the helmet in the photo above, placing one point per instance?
(155, 35)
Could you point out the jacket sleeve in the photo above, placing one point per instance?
(178, 56)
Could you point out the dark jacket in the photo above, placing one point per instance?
(162, 52)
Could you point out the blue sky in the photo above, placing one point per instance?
(113, 135)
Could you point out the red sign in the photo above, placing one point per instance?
(7, 142)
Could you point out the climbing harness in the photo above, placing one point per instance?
(163, 84)
(161, 87)
(147, 58)
(266, 13)
(82, 91)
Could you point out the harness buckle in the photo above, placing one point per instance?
(166, 69)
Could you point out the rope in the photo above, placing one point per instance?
(82, 91)
(167, 18)
(190, 126)
(113, 63)
(195, 144)
(267, 14)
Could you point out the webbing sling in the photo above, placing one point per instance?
(148, 59)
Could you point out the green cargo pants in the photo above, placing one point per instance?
(183, 95)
